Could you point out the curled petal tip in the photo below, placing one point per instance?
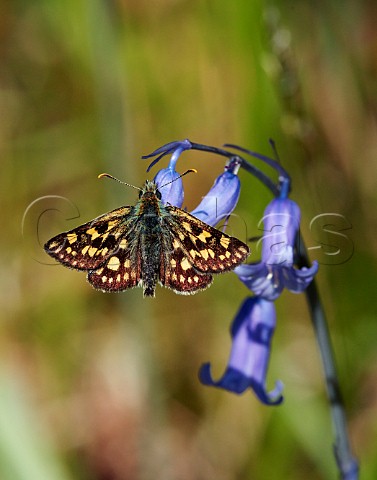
(232, 380)
(309, 271)
(236, 382)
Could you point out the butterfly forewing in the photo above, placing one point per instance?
(206, 248)
(89, 245)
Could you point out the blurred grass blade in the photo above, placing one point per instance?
(26, 452)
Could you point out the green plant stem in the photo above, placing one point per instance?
(347, 463)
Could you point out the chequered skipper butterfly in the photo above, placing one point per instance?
(147, 243)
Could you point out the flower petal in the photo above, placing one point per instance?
(221, 200)
(296, 280)
(268, 278)
(269, 281)
(281, 222)
(267, 286)
(252, 332)
(169, 183)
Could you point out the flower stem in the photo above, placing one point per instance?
(347, 463)
(262, 177)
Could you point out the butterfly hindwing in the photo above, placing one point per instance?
(89, 245)
(121, 271)
(178, 273)
(208, 249)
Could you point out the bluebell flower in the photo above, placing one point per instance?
(221, 200)
(275, 271)
(168, 181)
(251, 332)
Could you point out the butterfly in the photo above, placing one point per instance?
(146, 244)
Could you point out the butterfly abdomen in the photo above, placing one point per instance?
(150, 254)
(150, 242)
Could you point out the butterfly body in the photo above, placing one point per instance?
(145, 244)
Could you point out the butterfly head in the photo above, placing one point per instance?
(150, 189)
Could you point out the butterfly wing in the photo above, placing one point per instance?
(121, 270)
(89, 246)
(207, 249)
(177, 272)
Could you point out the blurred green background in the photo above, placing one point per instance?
(103, 386)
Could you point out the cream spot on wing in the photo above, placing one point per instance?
(243, 250)
(237, 254)
(221, 266)
(68, 249)
(193, 238)
(93, 233)
(133, 275)
(211, 253)
(204, 235)
(173, 263)
(111, 280)
(118, 277)
(196, 279)
(225, 241)
(189, 280)
(127, 263)
(92, 251)
(72, 237)
(111, 224)
(181, 278)
(85, 249)
(204, 253)
(193, 253)
(123, 243)
(185, 264)
(222, 257)
(104, 251)
(187, 226)
(75, 262)
(104, 278)
(227, 254)
(126, 276)
(175, 244)
(113, 263)
(53, 244)
(174, 277)
(73, 253)
(99, 271)
(181, 235)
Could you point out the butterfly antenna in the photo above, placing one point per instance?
(190, 170)
(102, 175)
